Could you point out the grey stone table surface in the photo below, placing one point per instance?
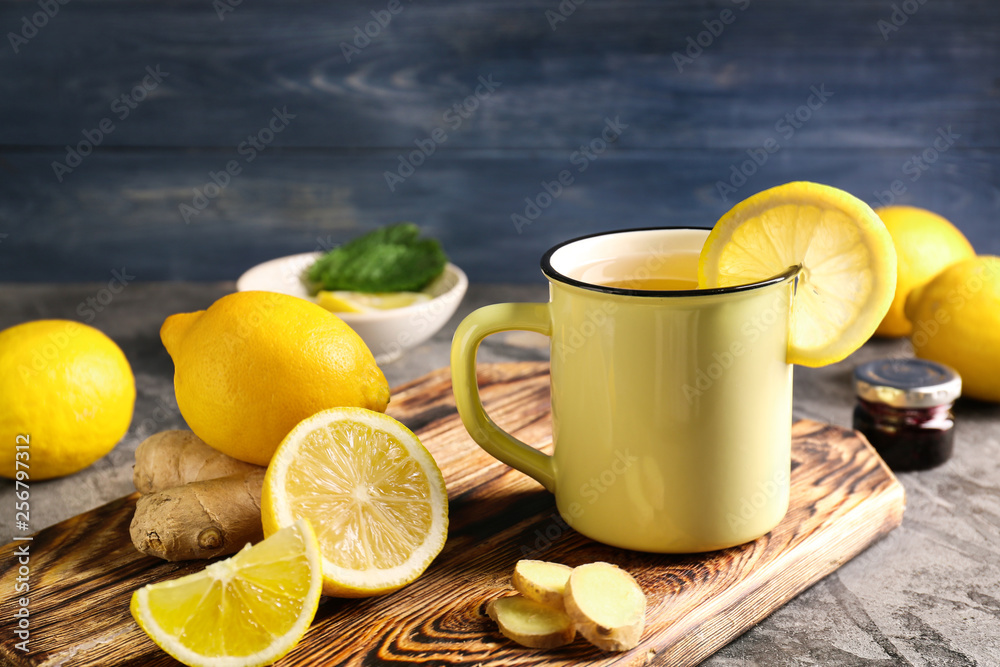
(927, 594)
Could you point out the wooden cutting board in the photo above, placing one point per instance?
(83, 570)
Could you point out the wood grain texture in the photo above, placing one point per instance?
(324, 173)
(225, 76)
(120, 210)
(843, 498)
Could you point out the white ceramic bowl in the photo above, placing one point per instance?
(388, 333)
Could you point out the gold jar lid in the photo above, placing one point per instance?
(907, 383)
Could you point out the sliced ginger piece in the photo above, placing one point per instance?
(607, 605)
(531, 623)
(542, 581)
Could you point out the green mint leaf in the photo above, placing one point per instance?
(388, 259)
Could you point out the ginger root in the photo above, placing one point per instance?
(201, 519)
(172, 458)
(599, 600)
(607, 605)
(531, 623)
(542, 581)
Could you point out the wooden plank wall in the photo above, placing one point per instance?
(888, 82)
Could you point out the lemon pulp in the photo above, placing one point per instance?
(247, 610)
(373, 493)
(380, 496)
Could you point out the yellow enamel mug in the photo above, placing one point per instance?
(671, 410)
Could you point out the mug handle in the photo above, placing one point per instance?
(498, 443)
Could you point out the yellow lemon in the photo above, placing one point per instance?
(255, 364)
(373, 493)
(847, 263)
(925, 244)
(245, 611)
(66, 392)
(956, 321)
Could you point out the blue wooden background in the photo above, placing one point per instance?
(697, 88)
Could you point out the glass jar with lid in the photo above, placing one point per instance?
(904, 409)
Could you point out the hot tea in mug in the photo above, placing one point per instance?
(671, 405)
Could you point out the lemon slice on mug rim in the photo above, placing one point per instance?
(845, 255)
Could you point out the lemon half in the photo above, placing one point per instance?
(848, 263)
(373, 493)
(247, 610)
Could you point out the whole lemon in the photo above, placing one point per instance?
(956, 321)
(66, 391)
(925, 244)
(255, 364)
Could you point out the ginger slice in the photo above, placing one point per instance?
(542, 581)
(607, 605)
(531, 623)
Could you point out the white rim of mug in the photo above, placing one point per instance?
(552, 274)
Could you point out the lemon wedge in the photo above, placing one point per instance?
(363, 302)
(247, 610)
(373, 493)
(848, 264)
